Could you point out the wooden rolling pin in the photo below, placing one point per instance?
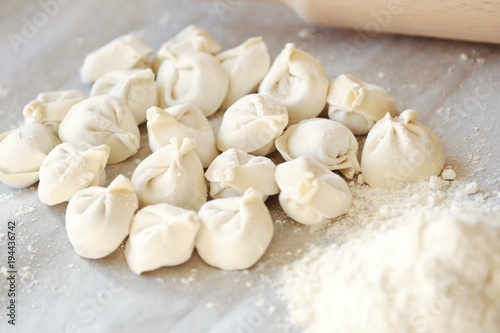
(471, 20)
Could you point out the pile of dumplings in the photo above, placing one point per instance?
(69, 138)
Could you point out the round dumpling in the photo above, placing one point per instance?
(49, 108)
(247, 64)
(357, 104)
(70, 167)
(124, 52)
(196, 78)
(102, 120)
(98, 219)
(190, 39)
(136, 87)
(325, 141)
(234, 232)
(161, 235)
(172, 175)
(310, 193)
(183, 121)
(234, 171)
(22, 152)
(399, 151)
(252, 124)
(298, 80)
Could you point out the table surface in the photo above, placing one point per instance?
(455, 86)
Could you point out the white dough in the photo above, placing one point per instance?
(310, 193)
(189, 40)
(252, 124)
(124, 52)
(136, 87)
(49, 108)
(234, 232)
(234, 171)
(357, 104)
(196, 78)
(326, 141)
(183, 121)
(102, 120)
(98, 219)
(298, 80)
(70, 167)
(161, 235)
(172, 175)
(22, 152)
(247, 64)
(399, 151)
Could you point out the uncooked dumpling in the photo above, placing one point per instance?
(136, 87)
(234, 171)
(102, 120)
(98, 219)
(173, 175)
(70, 167)
(298, 80)
(124, 52)
(247, 64)
(325, 141)
(190, 39)
(399, 151)
(234, 232)
(310, 193)
(22, 152)
(161, 235)
(252, 124)
(49, 108)
(183, 121)
(357, 104)
(196, 78)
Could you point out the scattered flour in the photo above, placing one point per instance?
(4, 91)
(23, 211)
(305, 33)
(5, 197)
(472, 188)
(420, 260)
(449, 174)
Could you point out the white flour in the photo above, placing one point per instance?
(416, 260)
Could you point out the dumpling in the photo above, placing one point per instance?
(173, 175)
(247, 64)
(357, 104)
(252, 124)
(50, 108)
(234, 232)
(136, 87)
(22, 152)
(190, 39)
(124, 52)
(196, 78)
(399, 151)
(183, 121)
(325, 141)
(298, 80)
(161, 235)
(310, 193)
(234, 171)
(102, 120)
(98, 219)
(70, 167)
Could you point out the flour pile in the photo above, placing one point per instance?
(425, 269)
